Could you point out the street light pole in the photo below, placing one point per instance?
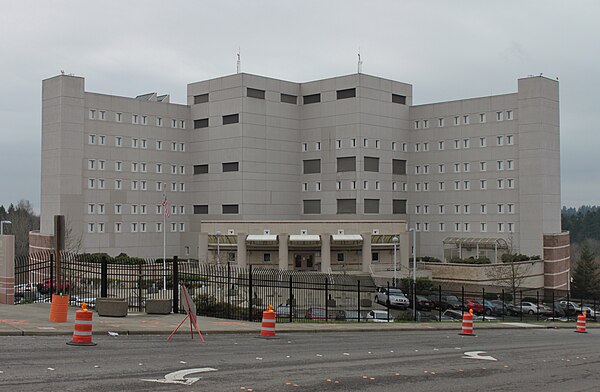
(414, 254)
(395, 241)
(218, 234)
(2, 226)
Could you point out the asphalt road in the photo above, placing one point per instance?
(525, 360)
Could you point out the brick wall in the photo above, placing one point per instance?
(557, 260)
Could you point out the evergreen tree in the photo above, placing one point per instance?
(586, 276)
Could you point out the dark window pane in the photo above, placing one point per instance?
(346, 206)
(340, 257)
(231, 119)
(346, 164)
(289, 98)
(398, 206)
(348, 93)
(371, 206)
(202, 98)
(398, 166)
(200, 169)
(313, 98)
(254, 93)
(312, 206)
(312, 166)
(401, 99)
(231, 166)
(200, 209)
(201, 123)
(230, 209)
(371, 164)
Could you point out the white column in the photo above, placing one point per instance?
(283, 251)
(203, 247)
(241, 250)
(366, 252)
(325, 252)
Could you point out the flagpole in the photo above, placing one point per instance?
(164, 239)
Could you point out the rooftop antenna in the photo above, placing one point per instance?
(239, 62)
(359, 61)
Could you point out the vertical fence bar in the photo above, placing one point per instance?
(250, 293)
(553, 309)
(537, 305)
(227, 292)
(175, 284)
(462, 299)
(358, 300)
(139, 286)
(568, 304)
(440, 302)
(521, 303)
(104, 278)
(51, 276)
(483, 302)
(387, 301)
(326, 299)
(503, 305)
(291, 300)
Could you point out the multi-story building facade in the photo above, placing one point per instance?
(248, 149)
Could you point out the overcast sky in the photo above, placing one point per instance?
(446, 49)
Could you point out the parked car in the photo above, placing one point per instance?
(449, 301)
(347, 315)
(24, 287)
(379, 316)
(77, 301)
(575, 308)
(501, 307)
(315, 314)
(525, 307)
(62, 286)
(491, 309)
(424, 303)
(284, 311)
(455, 315)
(475, 305)
(396, 297)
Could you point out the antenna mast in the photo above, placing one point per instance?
(359, 62)
(239, 62)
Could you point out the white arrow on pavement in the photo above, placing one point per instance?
(476, 355)
(178, 377)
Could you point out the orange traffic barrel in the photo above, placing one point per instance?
(467, 323)
(267, 328)
(82, 331)
(59, 308)
(581, 323)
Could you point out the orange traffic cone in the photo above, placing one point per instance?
(267, 328)
(82, 331)
(581, 323)
(467, 324)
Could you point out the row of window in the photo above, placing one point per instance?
(227, 119)
(466, 227)
(135, 142)
(465, 185)
(135, 227)
(464, 119)
(137, 119)
(141, 167)
(136, 185)
(225, 167)
(465, 143)
(306, 99)
(465, 167)
(348, 164)
(99, 208)
(465, 208)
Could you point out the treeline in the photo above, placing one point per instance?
(23, 220)
(583, 223)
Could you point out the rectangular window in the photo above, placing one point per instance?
(457, 168)
(399, 166)
(466, 167)
(338, 144)
(134, 167)
(346, 164)
(483, 227)
(440, 122)
(417, 147)
(425, 123)
(510, 164)
(404, 147)
(346, 206)
(91, 164)
(441, 145)
(182, 124)
(482, 166)
(466, 120)
(92, 139)
(173, 227)
(173, 169)
(511, 208)
(159, 122)
(500, 183)
(365, 142)
(118, 227)
(159, 145)
(353, 143)
(441, 186)
(91, 227)
(118, 117)
(510, 226)
(159, 227)
(466, 143)
(101, 140)
(398, 206)
(313, 98)
(456, 120)
(230, 209)
(500, 208)
(510, 183)
(397, 98)
(181, 169)
(482, 117)
(144, 120)
(318, 146)
(371, 206)
(200, 209)
(134, 143)
(371, 164)
(499, 140)
(287, 98)
(483, 184)
(201, 169)
(457, 185)
(304, 186)
(91, 183)
(143, 167)
(91, 208)
(181, 146)
(441, 168)
(158, 186)
(173, 123)
(182, 186)
(134, 227)
(482, 142)
(457, 208)
(442, 209)
(231, 167)
(118, 185)
(159, 168)
(365, 185)
(377, 186)
(202, 98)
(457, 227)
(347, 93)
(201, 123)
(311, 206)
(317, 186)
(394, 145)
(467, 209)
(417, 123)
(101, 209)
(510, 140)
(509, 116)
(144, 143)
(255, 93)
(426, 187)
(312, 166)
(500, 227)
(231, 119)
(135, 119)
(498, 116)
(467, 185)
(92, 114)
(442, 226)
(353, 185)
(338, 185)
(456, 144)
(483, 208)
(467, 227)
(377, 143)
(375, 257)
(304, 147)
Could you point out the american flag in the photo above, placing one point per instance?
(165, 205)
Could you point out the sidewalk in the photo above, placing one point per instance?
(32, 320)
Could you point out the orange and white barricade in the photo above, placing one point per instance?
(82, 331)
(581, 323)
(267, 328)
(467, 323)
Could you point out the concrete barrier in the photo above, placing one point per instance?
(111, 307)
(159, 306)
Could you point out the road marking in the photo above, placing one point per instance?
(476, 355)
(178, 377)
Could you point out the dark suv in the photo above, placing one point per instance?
(60, 287)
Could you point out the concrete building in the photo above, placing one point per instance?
(256, 161)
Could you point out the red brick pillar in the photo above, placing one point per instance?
(7, 269)
(557, 261)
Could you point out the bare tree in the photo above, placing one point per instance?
(512, 273)
(24, 220)
(73, 240)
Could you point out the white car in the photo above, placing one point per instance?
(379, 316)
(396, 297)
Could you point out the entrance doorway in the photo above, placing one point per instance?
(304, 262)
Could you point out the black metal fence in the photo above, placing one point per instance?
(233, 292)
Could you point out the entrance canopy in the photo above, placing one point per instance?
(480, 243)
(305, 239)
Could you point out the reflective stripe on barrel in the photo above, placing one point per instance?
(268, 323)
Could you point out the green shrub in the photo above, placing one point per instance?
(428, 259)
(471, 260)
